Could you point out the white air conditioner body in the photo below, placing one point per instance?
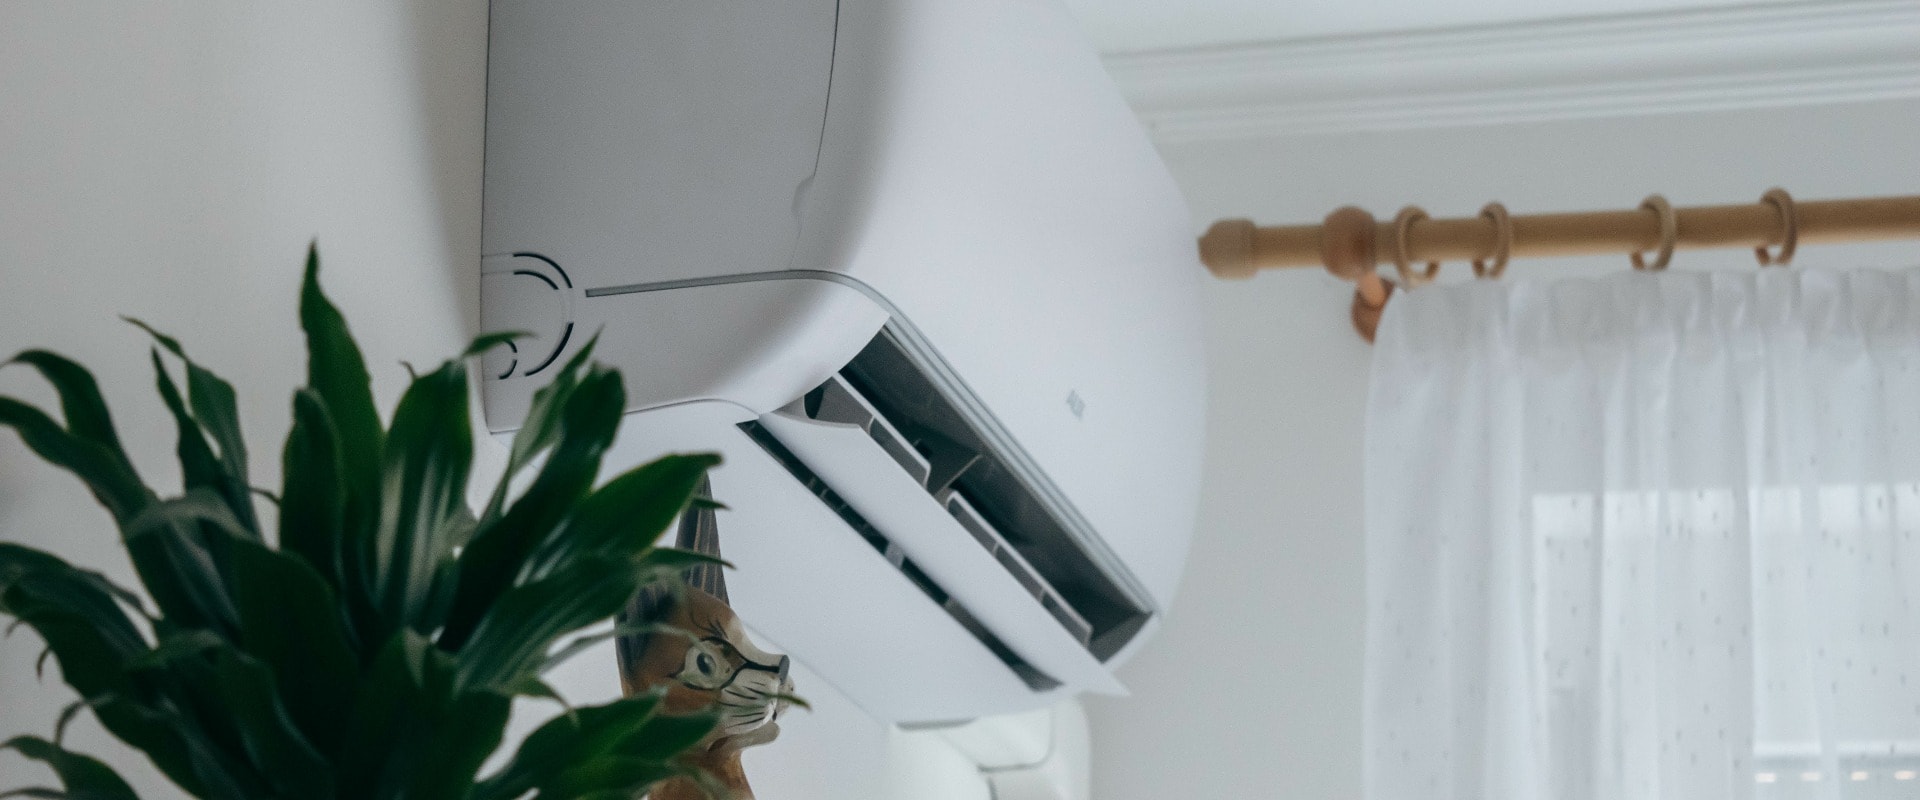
(914, 270)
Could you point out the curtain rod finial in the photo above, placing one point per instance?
(1227, 249)
(1346, 243)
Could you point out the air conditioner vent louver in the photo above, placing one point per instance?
(886, 393)
(1028, 674)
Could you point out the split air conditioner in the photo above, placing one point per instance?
(913, 268)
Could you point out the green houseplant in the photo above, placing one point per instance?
(367, 645)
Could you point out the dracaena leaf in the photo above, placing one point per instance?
(487, 341)
(313, 494)
(536, 688)
(75, 614)
(501, 546)
(589, 732)
(250, 703)
(82, 776)
(199, 467)
(622, 629)
(546, 424)
(512, 640)
(151, 727)
(97, 646)
(290, 620)
(102, 467)
(608, 775)
(660, 562)
(176, 548)
(203, 690)
(217, 411)
(429, 453)
(337, 374)
(413, 733)
(667, 735)
(625, 517)
(80, 400)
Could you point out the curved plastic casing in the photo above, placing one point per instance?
(736, 198)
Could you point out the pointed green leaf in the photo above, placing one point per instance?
(313, 498)
(470, 730)
(626, 516)
(80, 400)
(78, 618)
(537, 688)
(622, 629)
(291, 621)
(336, 371)
(611, 775)
(83, 776)
(337, 374)
(668, 735)
(104, 469)
(546, 423)
(429, 454)
(662, 561)
(511, 643)
(217, 410)
(502, 545)
(175, 545)
(268, 734)
(412, 735)
(199, 467)
(203, 697)
(588, 733)
(487, 341)
(96, 644)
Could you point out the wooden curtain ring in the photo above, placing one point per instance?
(1502, 244)
(1669, 233)
(1366, 315)
(1401, 260)
(1789, 228)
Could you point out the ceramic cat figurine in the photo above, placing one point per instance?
(716, 667)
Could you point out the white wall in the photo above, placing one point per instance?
(1253, 688)
(1133, 25)
(172, 162)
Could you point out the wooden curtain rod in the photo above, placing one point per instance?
(1351, 244)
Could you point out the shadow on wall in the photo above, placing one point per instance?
(449, 88)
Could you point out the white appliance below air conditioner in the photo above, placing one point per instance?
(913, 268)
(1044, 754)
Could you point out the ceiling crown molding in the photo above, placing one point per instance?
(1748, 56)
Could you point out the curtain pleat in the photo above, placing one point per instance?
(1646, 536)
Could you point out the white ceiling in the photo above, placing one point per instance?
(1132, 25)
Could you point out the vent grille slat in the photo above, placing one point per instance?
(886, 392)
(1026, 672)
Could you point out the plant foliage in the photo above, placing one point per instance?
(368, 646)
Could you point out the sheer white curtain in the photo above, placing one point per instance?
(1649, 536)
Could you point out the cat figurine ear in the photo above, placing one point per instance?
(705, 662)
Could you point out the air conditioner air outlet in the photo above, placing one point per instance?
(902, 408)
(1035, 679)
